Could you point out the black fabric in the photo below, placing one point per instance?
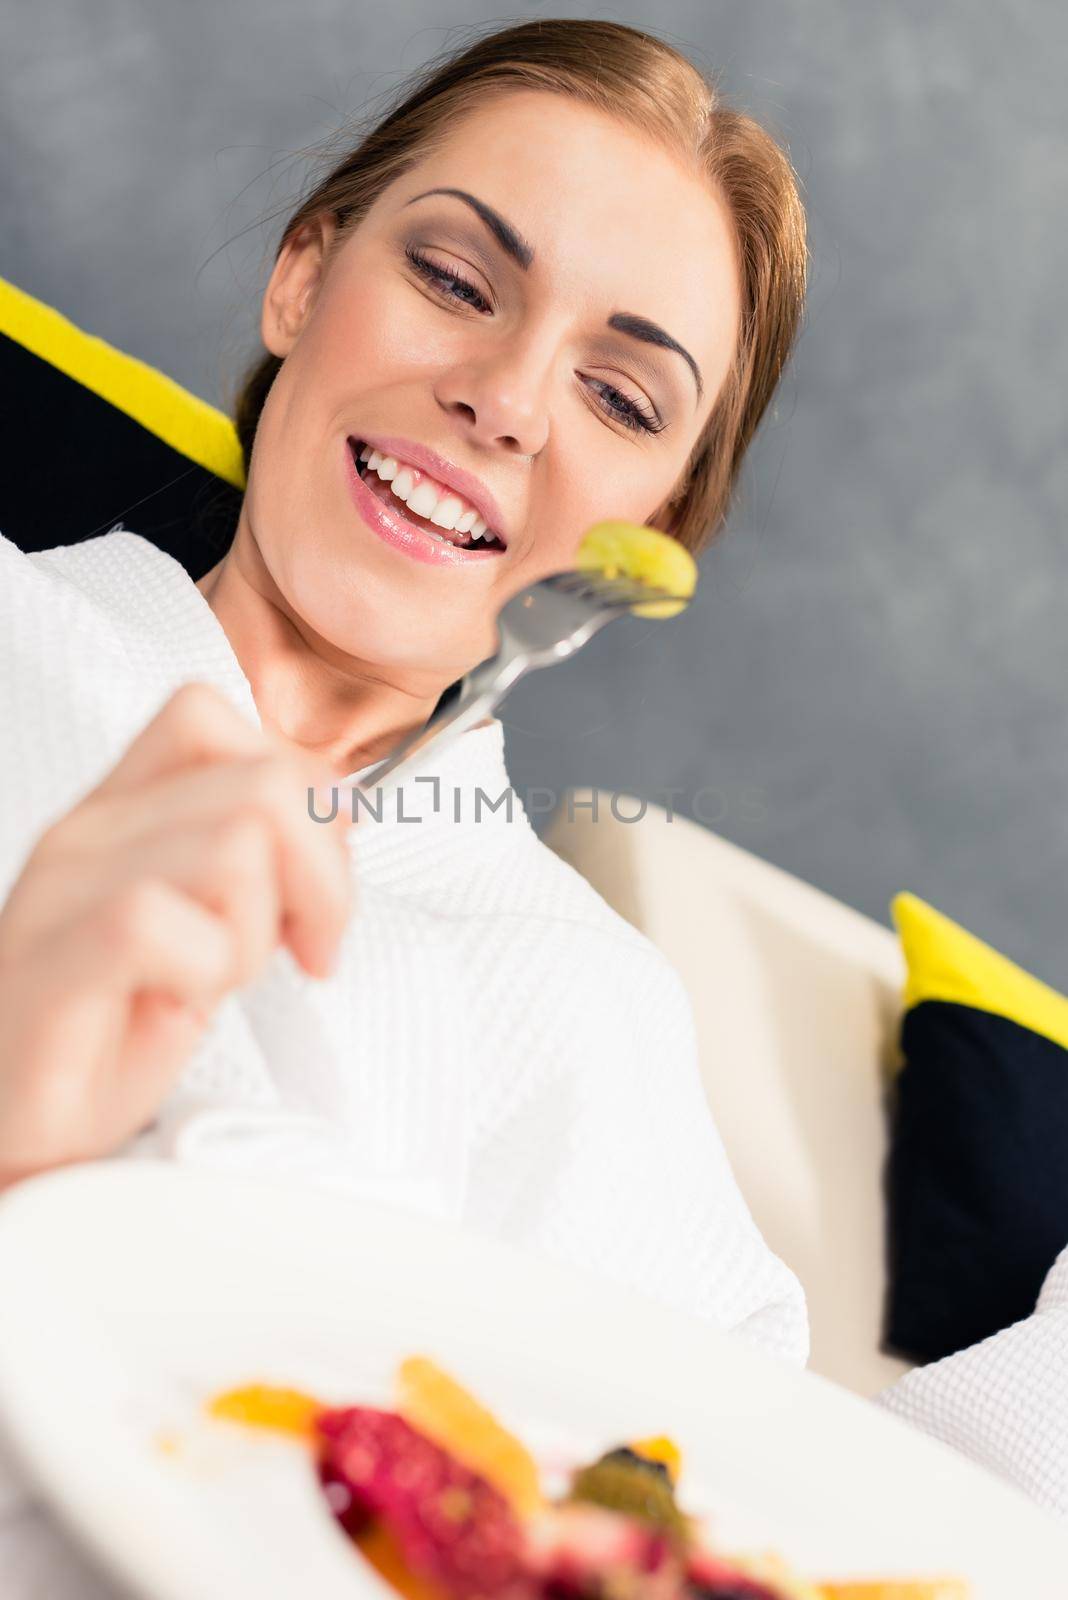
(75, 465)
(977, 1177)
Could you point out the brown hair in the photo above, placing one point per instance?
(642, 81)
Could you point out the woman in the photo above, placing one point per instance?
(559, 280)
(563, 280)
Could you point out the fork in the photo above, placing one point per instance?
(546, 622)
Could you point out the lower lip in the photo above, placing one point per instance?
(394, 529)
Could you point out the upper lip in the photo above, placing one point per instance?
(445, 472)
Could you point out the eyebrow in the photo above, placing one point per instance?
(521, 251)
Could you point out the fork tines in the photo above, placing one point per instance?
(613, 591)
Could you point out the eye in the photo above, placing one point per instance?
(629, 412)
(452, 283)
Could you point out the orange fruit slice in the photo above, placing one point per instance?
(899, 1589)
(661, 1449)
(378, 1546)
(433, 1402)
(259, 1405)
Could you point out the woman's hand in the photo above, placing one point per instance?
(167, 886)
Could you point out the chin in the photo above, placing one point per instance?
(376, 630)
(345, 586)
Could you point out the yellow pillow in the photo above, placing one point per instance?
(945, 962)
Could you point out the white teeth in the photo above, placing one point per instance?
(448, 511)
(426, 498)
(423, 498)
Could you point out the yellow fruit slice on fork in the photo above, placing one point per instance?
(630, 550)
(446, 1412)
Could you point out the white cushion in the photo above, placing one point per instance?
(796, 999)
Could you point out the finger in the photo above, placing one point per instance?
(229, 865)
(160, 1035)
(64, 1098)
(102, 1062)
(153, 1036)
(197, 725)
(307, 874)
(202, 794)
(147, 935)
(311, 866)
(230, 868)
(149, 938)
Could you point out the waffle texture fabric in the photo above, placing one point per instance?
(496, 1045)
(1004, 1401)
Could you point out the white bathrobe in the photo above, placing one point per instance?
(497, 1045)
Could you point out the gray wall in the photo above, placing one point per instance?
(871, 690)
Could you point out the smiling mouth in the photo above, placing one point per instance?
(382, 490)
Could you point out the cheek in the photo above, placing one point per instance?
(380, 334)
(349, 345)
(592, 490)
(331, 380)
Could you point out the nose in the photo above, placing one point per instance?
(500, 400)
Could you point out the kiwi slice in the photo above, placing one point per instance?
(626, 1482)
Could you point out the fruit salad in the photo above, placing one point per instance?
(447, 1504)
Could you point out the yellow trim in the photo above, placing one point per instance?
(182, 420)
(947, 963)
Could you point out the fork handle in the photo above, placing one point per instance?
(481, 690)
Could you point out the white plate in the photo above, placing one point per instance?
(131, 1291)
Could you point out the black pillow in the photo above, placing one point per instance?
(977, 1174)
(93, 437)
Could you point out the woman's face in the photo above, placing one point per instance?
(507, 369)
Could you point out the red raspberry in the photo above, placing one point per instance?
(450, 1525)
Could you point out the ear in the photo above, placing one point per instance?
(294, 283)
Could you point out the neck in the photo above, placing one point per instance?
(347, 712)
